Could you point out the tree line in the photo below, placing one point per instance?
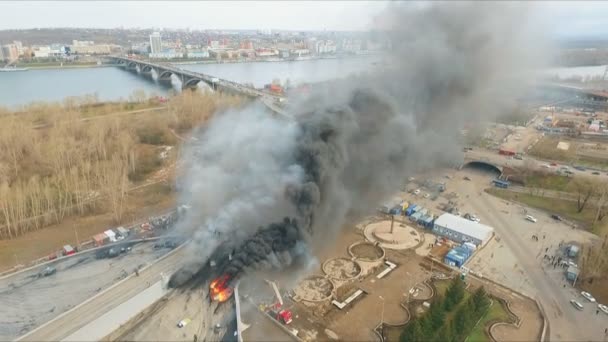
(450, 317)
(76, 167)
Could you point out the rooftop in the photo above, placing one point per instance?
(464, 226)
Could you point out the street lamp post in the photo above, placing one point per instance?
(409, 286)
(382, 318)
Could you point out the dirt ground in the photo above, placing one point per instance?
(531, 322)
(143, 203)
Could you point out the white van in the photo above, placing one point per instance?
(531, 218)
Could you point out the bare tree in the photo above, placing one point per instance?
(584, 189)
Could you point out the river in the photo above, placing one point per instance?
(113, 83)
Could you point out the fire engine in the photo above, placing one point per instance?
(276, 311)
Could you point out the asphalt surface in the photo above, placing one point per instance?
(478, 154)
(67, 286)
(566, 323)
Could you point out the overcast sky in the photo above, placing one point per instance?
(565, 18)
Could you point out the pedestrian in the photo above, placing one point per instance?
(546, 249)
(597, 311)
(543, 236)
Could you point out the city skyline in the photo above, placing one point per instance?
(563, 19)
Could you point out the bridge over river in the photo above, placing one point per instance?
(191, 79)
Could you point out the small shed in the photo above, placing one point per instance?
(428, 222)
(573, 251)
(415, 217)
(572, 273)
(410, 209)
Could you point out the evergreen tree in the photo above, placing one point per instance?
(454, 294)
(426, 326)
(463, 321)
(481, 300)
(412, 332)
(436, 314)
(445, 334)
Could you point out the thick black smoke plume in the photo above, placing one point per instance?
(274, 191)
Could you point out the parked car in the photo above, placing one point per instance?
(183, 322)
(47, 271)
(580, 168)
(467, 178)
(546, 166)
(474, 218)
(531, 218)
(595, 173)
(426, 195)
(556, 217)
(603, 308)
(577, 305)
(417, 192)
(588, 296)
(553, 164)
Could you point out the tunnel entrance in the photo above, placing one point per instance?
(483, 167)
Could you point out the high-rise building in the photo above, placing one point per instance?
(10, 52)
(155, 43)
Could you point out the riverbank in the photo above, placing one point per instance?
(262, 60)
(50, 66)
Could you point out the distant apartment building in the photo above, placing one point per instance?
(155, 43)
(169, 54)
(82, 42)
(10, 52)
(95, 49)
(41, 51)
(197, 53)
(214, 44)
(1, 54)
(325, 47)
(266, 52)
(246, 45)
(19, 47)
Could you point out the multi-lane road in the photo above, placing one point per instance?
(566, 323)
(492, 157)
(69, 322)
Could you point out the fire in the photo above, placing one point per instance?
(219, 289)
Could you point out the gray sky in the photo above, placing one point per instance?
(564, 18)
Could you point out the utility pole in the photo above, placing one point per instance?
(382, 318)
(392, 222)
(76, 234)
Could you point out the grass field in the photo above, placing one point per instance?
(548, 181)
(495, 313)
(546, 148)
(561, 207)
